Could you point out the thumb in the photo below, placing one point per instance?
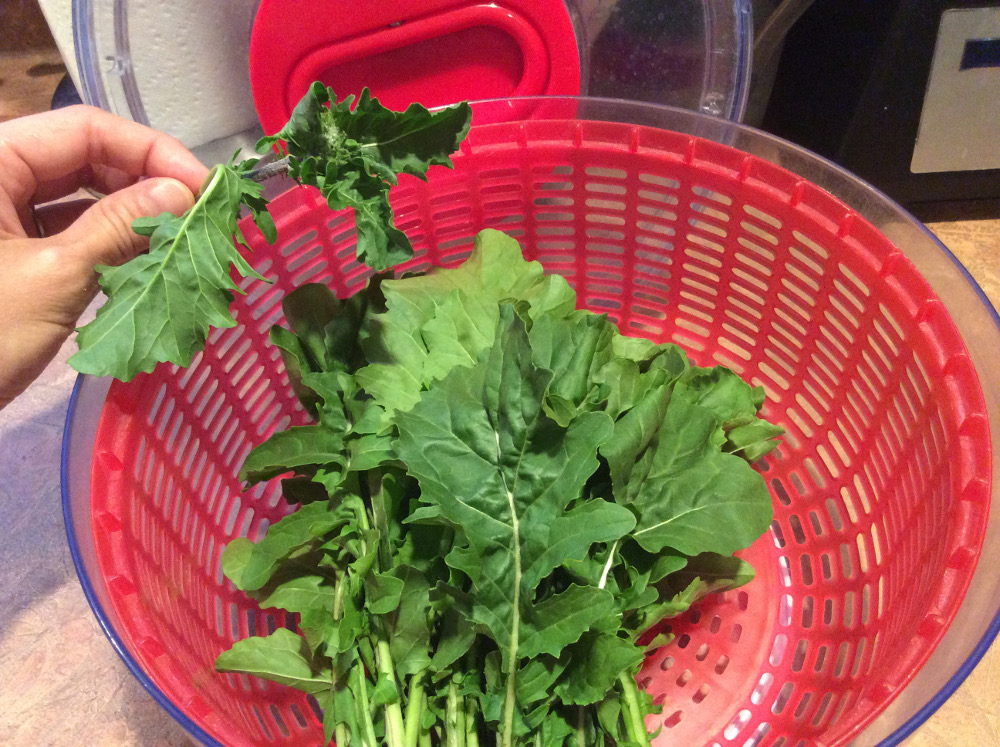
(103, 233)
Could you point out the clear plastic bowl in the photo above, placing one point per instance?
(183, 66)
(976, 623)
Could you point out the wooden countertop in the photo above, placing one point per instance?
(62, 682)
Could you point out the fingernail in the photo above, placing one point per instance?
(169, 195)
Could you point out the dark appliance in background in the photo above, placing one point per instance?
(903, 93)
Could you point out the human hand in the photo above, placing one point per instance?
(48, 253)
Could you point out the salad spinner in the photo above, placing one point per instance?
(875, 594)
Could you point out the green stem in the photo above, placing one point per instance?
(629, 723)
(417, 699)
(361, 511)
(471, 732)
(380, 518)
(340, 730)
(425, 737)
(394, 729)
(338, 597)
(581, 727)
(367, 655)
(507, 727)
(454, 718)
(635, 724)
(363, 707)
(471, 704)
(461, 728)
(607, 566)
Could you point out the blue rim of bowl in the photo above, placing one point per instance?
(148, 685)
(896, 737)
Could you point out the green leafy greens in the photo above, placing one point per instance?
(499, 497)
(508, 496)
(162, 304)
(354, 155)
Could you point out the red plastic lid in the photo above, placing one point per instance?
(434, 52)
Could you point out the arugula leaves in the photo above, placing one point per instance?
(162, 304)
(354, 155)
(435, 322)
(681, 483)
(512, 494)
(500, 495)
(488, 459)
(282, 657)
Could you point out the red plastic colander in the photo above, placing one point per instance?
(881, 486)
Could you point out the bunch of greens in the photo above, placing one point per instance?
(499, 498)
(500, 495)
(352, 155)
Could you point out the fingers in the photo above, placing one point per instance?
(48, 155)
(45, 157)
(103, 233)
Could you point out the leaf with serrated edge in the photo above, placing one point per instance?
(573, 348)
(352, 155)
(296, 448)
(595, 663)
(162, 304)
(558, 621)
(249, 565)
(311, 596)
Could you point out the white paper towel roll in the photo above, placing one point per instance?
(189, 59)
(59, 16)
